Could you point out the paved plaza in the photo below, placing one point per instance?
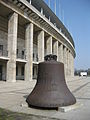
(13, 96)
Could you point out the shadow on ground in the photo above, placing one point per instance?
(8, 115)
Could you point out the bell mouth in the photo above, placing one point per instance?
(49, 106)
(43, 108)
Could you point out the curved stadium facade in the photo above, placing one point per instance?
(29, 30)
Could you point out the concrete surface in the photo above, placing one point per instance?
(12, 95)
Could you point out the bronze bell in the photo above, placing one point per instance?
(50, 90)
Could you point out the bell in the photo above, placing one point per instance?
(50, 90)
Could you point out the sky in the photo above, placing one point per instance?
(75, 15)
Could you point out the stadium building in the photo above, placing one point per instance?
(29, 30)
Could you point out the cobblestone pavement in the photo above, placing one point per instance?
(13, 96)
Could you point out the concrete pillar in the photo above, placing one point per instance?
(19, 71)
(60, 53)
(72, 65)
(12, 47)
(40, 38)
(29, 52)
(69, 67)
(49, 45)
(4, 72)
(64, 59)
(67, 62)
(55, 49)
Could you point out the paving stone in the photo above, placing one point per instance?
(12, 95)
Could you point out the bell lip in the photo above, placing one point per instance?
(52, 106)
(48, 107)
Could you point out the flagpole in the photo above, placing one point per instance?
(59, 10)
(55, 7)
(49, 3)
(63, 16)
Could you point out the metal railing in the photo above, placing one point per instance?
(20, 56)
(3, 53)
(20, 77)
